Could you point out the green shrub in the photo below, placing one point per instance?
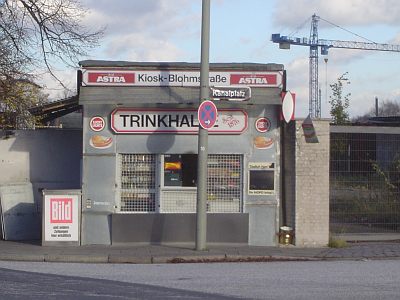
(337, 243)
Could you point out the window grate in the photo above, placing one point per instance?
(137, 182)
(225, 183)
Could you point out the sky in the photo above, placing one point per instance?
(169, 30)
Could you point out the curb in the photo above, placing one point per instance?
(22, 257)
(127, 259)
(65, 258)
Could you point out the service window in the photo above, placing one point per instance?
(224, 183)
(180, 170)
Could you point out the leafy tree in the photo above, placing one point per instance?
(17, 97)
(339, 102)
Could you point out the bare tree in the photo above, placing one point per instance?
(45, 32)
(38, 35)
(387, 108)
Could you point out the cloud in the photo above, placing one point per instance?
(54, 88)
(161, 18)
(144, 30)
(137, 47)
(297, 82)
(343, 12)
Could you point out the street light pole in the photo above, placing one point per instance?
(201, 208)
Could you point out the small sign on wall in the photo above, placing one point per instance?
(61, 217)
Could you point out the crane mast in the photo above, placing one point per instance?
(314, 105)
(314, 43)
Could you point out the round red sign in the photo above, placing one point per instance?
(97, 123)
(263, 124)
(207, 114)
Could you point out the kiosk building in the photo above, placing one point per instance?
(140, 139)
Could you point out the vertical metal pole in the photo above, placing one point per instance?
(201, 209)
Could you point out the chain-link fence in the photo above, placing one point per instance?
(364, 180)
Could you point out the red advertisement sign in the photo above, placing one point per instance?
(61, 210)
(111, 77)
(254, 79)
(263, 124)
(97, 123)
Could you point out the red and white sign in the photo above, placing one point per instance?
(61, 210)
(97, 124)
(263, 124)
(174, 121)
(288, 106)
(179, 78)
(61, 218)
(111, 77)
(255, 80)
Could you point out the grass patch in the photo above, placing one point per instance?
(337, 243)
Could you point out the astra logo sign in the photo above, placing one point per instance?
(111, 78)
(254, 79)
(179, 78)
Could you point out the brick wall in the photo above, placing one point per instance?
(306, 183)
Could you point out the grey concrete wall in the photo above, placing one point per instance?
(178, 228)
(311, 185)
(48, 158)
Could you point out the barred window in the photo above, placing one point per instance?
(137, 182)
(225, 182)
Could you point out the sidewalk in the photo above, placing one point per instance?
(145, 254)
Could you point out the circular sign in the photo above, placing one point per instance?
(97, 123)
(207, 114)
(288, 107)
(263, 124)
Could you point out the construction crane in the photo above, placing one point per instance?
(314, 43)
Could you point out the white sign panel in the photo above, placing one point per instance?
(288, 106)
(179, 78)
(147, 121)
(61, 221)
(230, 93)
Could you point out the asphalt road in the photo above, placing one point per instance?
(369, 279)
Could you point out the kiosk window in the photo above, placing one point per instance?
(224, 183)
(180, 170)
